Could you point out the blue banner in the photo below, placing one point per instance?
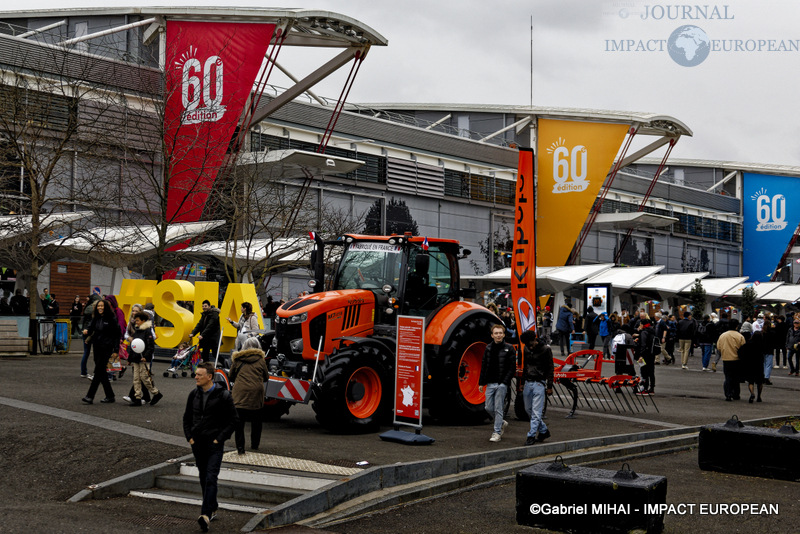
(771, 213)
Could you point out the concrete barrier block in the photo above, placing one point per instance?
(582, 499)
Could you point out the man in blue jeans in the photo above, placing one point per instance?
(497, 369)
(537, 375)
(209, 419)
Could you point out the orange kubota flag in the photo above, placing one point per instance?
(523, 268)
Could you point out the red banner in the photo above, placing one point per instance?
(523, 270)
(408, 378)
(210, 71)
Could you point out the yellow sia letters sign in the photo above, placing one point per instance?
(573, 160)
(166, 294)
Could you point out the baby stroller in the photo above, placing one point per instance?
(185, 362)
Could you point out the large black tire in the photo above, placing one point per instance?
(356, 392)
(455, 398)
(274, 409)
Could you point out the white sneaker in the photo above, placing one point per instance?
(126, 398)
(684, 366)
(171, 370)
(495, 437)
(784, 367)
(705, 368)
(90, 377)
(84, 376)
(503, 428)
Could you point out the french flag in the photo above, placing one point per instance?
(425, 244)
(312, 235)
(416, 367)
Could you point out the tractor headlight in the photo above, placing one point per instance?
(294, 319)
(296, 345)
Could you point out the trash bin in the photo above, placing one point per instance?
(63, 337)
(47, 335)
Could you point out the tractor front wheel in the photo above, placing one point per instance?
(356, 391)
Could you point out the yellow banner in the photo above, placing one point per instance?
(573, 161)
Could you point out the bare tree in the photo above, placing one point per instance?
(56, 147)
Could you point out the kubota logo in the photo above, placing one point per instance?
(201, 83)
(569, 165)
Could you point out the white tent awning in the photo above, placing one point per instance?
(783, 294)
(669, 285)
(717, 287)
(762, 290)
(624, 278)
(561, 278)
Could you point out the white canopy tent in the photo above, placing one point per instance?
(15, 226)
(127, 246)
(762, 290)
(624, 278)
(248, 254)
(668, 285)
(560, 279)
(784, 294)
(716, 288)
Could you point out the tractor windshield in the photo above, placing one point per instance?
(369, 266)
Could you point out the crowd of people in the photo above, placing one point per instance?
(750, 351)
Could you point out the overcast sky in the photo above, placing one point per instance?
(741, 106)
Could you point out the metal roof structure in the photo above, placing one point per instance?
(297, 163)
(309, 27)
(651, 123)
(762, 168)
(633, 220)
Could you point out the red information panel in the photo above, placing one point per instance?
(408, 377)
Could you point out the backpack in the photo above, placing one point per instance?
(655, 347)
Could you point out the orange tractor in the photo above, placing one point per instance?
(337, 347)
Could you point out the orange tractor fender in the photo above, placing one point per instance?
(440, 327)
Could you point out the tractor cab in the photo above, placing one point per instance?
(404, 278)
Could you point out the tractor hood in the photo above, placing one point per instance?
(329, 315)
(329, 300)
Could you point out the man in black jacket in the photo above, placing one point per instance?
(537, 375)
(209, 419)
(497, 370)
(208, 331)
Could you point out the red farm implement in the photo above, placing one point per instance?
(583, 384)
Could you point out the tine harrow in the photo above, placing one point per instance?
(584, 386)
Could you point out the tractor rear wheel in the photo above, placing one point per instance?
(356, 390)
(457, 399)
(273, 409)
